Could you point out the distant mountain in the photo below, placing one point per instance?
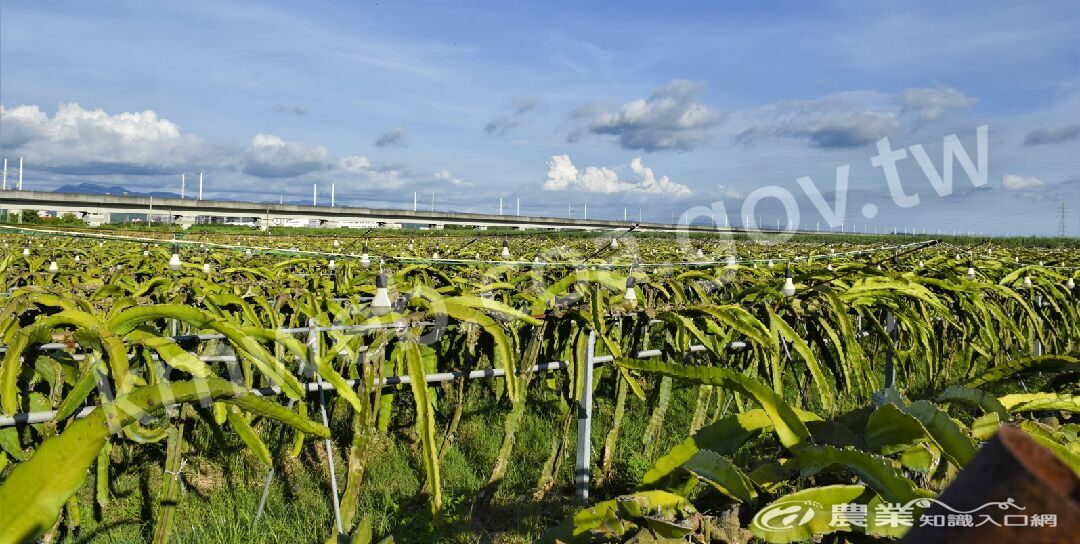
(95, 189)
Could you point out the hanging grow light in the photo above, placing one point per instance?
(174, 261)
(506, 249)
(380, 304)
(614, 243)
(26, 252)
(1070, 284)
(630, 296)
(789, 285)
(970, 271)
(53, 268)
(332, 265)
(206, 268)
(365, 260)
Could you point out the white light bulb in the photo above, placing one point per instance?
(700, 253)
(731, 260)
(53, 268)
(435, 255)
(77, 258)
(411, 245)
(828, 267)
(380, 303)
(789, 287)
(145, 253)
(332, 265)
(1027, 282)
(206, 268)
(770, 263)
(970, 273)
(336, 243)
(536, 259)
(174, 262)
(630, 296)
(1070, 284)
(614, 244)
(26, 252)
(921, 265)
(506, 251)
(365, 261)
(247, 252)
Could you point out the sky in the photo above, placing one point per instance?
(655, 110)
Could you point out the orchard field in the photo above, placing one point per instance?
(424, 386)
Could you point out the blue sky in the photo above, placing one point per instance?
(621, 105)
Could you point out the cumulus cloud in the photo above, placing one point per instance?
(77, 140)
(930, 103)
(354, 163)
(505, 122)
(270, 156)
(1011, 182)
(395, 137)
(834, 122)
(1053, 135)
(564, 176)
(671, 118)
(445, 175)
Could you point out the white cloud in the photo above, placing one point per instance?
(930, 103)
(78, 140)
(445, 175)
(1011, 182)
(563, 176)
(670, 119)
(840, 121)
(354, 163)
(272, 157)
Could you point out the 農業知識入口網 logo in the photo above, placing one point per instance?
(787, 515)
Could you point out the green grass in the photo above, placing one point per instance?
(223, 481)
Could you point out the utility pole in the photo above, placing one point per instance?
(500, 205)
(183, 185)
(517, 210)
(586, 212)
(1062, 229)
(624, 215)
(200, 185)
(20, 173)
(314, 194)
(432, 200)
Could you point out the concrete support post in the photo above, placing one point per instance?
(584, 430)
